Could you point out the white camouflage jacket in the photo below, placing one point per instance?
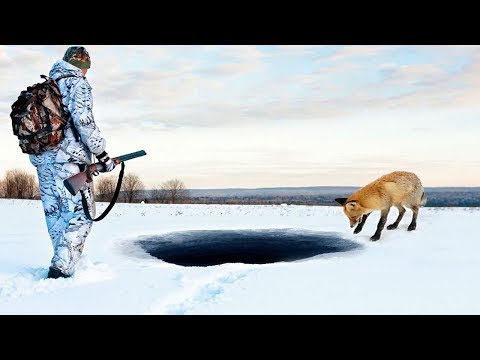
(77, 94)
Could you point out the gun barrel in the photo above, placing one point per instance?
(131, 155)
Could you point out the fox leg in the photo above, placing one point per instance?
(413, 224)
(401, 212)
(361, 223)
(381, 224)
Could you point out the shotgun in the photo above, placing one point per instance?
(77, 181)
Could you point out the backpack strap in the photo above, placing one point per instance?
(58, 78)
(112, 202)
(63, 76)
(75, 131)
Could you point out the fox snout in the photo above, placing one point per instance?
(353, 223)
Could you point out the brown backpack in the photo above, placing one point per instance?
(39, 116)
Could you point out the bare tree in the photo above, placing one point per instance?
(105, 187)
(18, 184)
(2, 188)
(130, 186)
(175, 191)
(158, 195)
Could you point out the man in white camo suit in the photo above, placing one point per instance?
(67, 224)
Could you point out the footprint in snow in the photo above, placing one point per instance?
(34, 280)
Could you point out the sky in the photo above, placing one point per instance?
(268, 116)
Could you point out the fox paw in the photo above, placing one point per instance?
(357, 230)
(392, 227)
(375, 237)
(412, 227)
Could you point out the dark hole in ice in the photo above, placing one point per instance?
(213, 247)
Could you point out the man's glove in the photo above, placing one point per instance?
(107, 163)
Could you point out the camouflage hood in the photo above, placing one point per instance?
(61, 67)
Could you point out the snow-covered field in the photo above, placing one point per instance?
(433, 270)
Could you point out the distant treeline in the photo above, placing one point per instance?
(434, 198)
(18, 184)
(453, 198)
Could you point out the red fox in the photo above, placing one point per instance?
(399, 188)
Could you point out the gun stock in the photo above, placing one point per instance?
(74, 183)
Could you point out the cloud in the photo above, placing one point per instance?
(357, 51)
(236, 68)
(5, 60)
(250, 113)
(168, 89)
(18, 57)
(241, 52)
(302, 49)
(194, 96)
(469, 77)
(422, 75)
(404, 86)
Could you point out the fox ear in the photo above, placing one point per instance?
(352, 204)
(341, 201)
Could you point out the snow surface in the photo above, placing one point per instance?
(433, 270)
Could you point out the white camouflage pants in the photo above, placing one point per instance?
(67, 224)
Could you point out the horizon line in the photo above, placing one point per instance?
(314, 186)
